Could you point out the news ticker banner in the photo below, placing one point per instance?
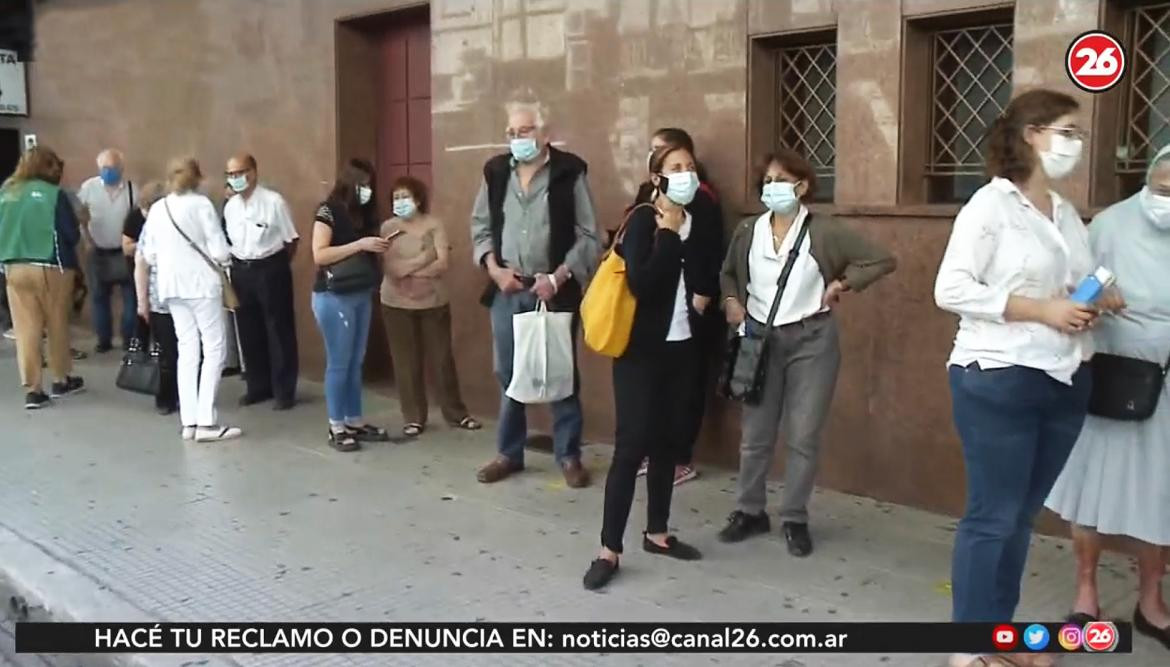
(1099, 637)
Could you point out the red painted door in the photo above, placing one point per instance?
(404, 96)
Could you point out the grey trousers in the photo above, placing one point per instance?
(803, 360)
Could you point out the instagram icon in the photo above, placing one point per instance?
(1070, 638)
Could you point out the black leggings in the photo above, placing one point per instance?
(653, 395)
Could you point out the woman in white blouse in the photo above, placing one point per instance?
(1019, 387)
(185, 239)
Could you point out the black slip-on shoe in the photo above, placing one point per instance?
(674, 548)
(798, 539)
(600, 572)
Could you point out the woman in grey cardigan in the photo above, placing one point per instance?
(804, 349)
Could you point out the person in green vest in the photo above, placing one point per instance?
(39, 234)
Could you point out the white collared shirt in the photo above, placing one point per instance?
(1002, 246)
(259, 226)
(680, 321)
(804, 295)
(181, 272)
(107, 210)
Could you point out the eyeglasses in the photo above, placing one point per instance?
(520, 132)
(1066, 132)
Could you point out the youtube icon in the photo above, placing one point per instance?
(1005, 638)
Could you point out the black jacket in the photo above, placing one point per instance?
(654, 260)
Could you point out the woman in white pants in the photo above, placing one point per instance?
(186, 240)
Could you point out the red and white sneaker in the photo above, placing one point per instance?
(684, 474)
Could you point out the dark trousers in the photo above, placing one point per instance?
(162, 327)
(268, 335)
(418, 335)
(650, 390)
(1018, 426)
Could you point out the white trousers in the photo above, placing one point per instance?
(200, 326)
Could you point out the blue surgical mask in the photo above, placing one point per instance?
(404, 208)
(780, 197)
(524, 149)
(364, 194)
(238, 183)
(111, 175)
(681, 187)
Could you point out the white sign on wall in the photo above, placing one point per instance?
(13, 85)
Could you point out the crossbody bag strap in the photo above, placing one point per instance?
(214, 267)
(787, 270)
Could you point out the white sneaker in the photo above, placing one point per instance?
(217, 433)
(10, 334)
(188, 432)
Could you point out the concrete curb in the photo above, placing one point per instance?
(53, 590)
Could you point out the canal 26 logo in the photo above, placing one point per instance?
(1095, 61)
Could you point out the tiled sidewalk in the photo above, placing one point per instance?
(278, 526)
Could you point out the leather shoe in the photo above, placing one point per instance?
(798, 539)
(282, 404)
(497, 469)
(1145, 627)
(576, 476)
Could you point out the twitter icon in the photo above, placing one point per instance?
(1036, 637)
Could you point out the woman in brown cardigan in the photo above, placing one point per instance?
(804, 350)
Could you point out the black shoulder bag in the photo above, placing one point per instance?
(747, 355)
(1124, 388)
(358, 272)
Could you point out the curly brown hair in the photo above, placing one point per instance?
(1008, 155)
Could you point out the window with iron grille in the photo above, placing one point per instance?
(806, 118)
(971, 83)
(1145, 126)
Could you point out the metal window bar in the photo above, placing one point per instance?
(1147, 98)
(971, 85)
(806, 122)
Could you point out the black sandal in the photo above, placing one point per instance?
(469, 424)
(343, 441)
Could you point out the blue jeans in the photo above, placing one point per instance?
(103, 314)
(1018, 426)
(344, 321)
(513, 428)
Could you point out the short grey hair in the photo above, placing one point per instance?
(526, 102)
(112, 154)
(1161, 156)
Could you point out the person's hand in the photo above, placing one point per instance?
(700, 303)
(670, 217)
(372, 244)
(1068, 316)
(735, 312)
(144, 309)
(1111, 301)
(543, 288)
(505, 279)
(833, 293)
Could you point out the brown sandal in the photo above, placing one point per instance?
(497, 469)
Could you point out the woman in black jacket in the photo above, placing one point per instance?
(652, 380)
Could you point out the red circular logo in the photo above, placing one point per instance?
(1004, 637)
(1095, 61)
(1100, 636)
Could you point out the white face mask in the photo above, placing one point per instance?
(1157, 208)
(681, 187)
(780, 197)
(1061, 157)
(364, 193)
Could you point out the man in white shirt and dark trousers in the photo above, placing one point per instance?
(109, 198)
(263, 239)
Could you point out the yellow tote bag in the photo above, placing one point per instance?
(607, 311)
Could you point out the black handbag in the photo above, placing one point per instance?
(355, 273)
(139, 372)
(746, 358)
(1124, 388)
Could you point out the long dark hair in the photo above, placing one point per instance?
(344, 193)
(647, 191)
